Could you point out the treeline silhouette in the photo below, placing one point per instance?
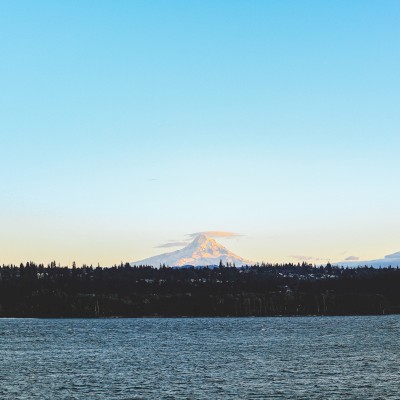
(32, 290)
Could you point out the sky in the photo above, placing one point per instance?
(128, 125)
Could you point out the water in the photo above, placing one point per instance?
(249, 358)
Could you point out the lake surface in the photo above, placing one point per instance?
(204, 358)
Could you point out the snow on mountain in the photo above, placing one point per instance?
(203, 251)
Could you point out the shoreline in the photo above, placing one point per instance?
(199, 317)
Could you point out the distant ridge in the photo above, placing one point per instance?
(390, 260)
(203, 251)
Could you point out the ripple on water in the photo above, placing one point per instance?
(248, 358)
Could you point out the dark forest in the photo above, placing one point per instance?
(52, 291)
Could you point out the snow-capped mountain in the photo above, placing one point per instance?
(203, 251)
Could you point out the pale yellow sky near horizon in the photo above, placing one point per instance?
(274, 248)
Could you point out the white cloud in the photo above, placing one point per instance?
(191, 236)
(216, 234)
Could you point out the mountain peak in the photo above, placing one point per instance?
(201, 238)
(202, 251)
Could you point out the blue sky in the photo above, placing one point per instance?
(127, 124)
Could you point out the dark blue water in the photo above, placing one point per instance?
(249, 358)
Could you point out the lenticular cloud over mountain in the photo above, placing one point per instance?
(203, 251)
